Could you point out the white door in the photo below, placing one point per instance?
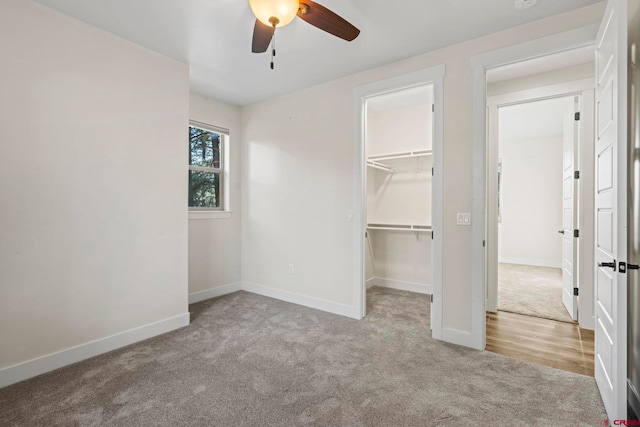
(611, 216)
(569, 212)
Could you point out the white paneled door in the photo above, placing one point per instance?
(611, 215)
(569, 211)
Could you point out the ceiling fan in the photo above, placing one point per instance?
(272, 14)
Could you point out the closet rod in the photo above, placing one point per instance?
(414, 228)
(379, 166)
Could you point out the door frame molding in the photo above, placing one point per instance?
(580, 37)
(583, 88)
(434, 76)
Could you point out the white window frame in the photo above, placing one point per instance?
(220, 211)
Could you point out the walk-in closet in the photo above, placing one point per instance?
(399, 159)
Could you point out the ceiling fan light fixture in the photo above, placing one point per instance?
(282, 10)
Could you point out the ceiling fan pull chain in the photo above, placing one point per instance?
(273, 47)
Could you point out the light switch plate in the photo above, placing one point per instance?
(463, 218)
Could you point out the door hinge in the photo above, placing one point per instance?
(433, 108)
(576, 174)
(431, 298)
(575, 292)
(432, 172)
(431, 234)
(576, 233)
(483, 243)
(577, 116)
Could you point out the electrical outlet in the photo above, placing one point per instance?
(291, 269)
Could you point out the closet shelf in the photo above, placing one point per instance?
(403, 155)
(397, 227)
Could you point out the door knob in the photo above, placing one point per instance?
(608, 264)
(561, 231)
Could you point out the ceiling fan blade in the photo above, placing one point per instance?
(262, 35)
(321, 17)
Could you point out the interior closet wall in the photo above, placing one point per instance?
(400, 258)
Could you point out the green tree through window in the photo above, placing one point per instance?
(205, 168)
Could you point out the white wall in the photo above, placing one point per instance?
(399, 130)
(531, 202)
(92, 184)
(298, 176)
(562, 75)
(214, 239)
(296, 190)
(399, 257)
(403, 197)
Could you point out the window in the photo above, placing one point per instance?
(206, 166)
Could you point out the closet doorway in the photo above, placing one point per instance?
(400, 164)
(399, 153)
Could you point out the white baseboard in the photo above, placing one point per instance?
(455, 336)
(420, 288)
(31, 368)
(317, 303)
(536, 262)
(214, 292)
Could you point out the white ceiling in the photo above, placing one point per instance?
(214, 37)
(539, 119)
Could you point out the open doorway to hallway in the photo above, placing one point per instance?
(531, 204)
(540, 164)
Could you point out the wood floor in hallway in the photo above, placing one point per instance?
(547, 342)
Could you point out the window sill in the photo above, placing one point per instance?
(210, 215)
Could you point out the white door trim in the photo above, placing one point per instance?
(544, 92)
(434, 75)
(573, 39)
(584, 88)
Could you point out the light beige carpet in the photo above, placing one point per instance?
(533, 291)
(248, 360)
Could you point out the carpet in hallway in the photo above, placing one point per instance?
(533, 291)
